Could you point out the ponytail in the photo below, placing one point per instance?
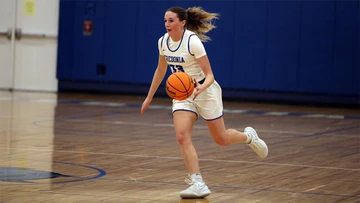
(200, 22)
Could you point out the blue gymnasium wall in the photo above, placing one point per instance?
(259, 48)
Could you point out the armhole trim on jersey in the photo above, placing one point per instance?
(189, 44)
(162, 40)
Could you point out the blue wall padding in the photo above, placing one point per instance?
(250, 26)
(121, 41)
(346, 75)
(88, 50)
(282, 46)
(316, 46)
(65, 56)
(276, 46)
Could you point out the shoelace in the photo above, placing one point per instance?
(188, 180)
(252, 137)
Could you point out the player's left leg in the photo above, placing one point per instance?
(224, 137)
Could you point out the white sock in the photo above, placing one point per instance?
(197, 177)
(248, 139)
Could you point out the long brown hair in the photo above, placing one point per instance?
(197, 20)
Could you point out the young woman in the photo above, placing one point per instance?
(186, 30)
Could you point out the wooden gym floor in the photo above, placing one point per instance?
(98, 148)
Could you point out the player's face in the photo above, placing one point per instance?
(172, 23)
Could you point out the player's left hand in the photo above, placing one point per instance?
(198, 89)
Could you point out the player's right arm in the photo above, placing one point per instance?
(157, 78)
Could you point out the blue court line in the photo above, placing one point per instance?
(101, 174)
(239, 111)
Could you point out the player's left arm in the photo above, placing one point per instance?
(198, 50)
(205, 66)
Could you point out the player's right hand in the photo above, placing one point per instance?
(145, 105)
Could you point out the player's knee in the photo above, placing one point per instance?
(183, 137)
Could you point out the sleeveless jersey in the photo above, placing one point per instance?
(182, 55)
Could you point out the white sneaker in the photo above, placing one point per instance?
(197, 189)
(257, 144)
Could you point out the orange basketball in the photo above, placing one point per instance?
(179, 86)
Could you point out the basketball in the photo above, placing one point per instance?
(179, 86)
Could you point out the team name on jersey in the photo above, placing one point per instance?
(176, 59)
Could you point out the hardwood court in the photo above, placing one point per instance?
(98, 148)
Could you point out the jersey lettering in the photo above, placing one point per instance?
(175, 59)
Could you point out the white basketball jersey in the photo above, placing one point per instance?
(182, 55)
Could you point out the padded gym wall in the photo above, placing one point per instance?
(264, 46)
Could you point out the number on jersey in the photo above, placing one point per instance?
(176, 68)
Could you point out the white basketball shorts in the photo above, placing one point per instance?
(207, 104)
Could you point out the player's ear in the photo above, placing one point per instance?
(183, 23)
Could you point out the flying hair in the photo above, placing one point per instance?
(197, 20)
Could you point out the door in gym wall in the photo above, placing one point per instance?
(28, 44)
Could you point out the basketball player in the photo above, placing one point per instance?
(181, 49)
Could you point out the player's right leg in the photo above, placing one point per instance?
(184, 120)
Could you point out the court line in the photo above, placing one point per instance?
(109, 197)
(331, 131)
(168, 107)
(288, 191)
(37, 123)
(302, 134)
(100, 174)
(314, 188)
(226, 186)
(180, 158)
(226, 110)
